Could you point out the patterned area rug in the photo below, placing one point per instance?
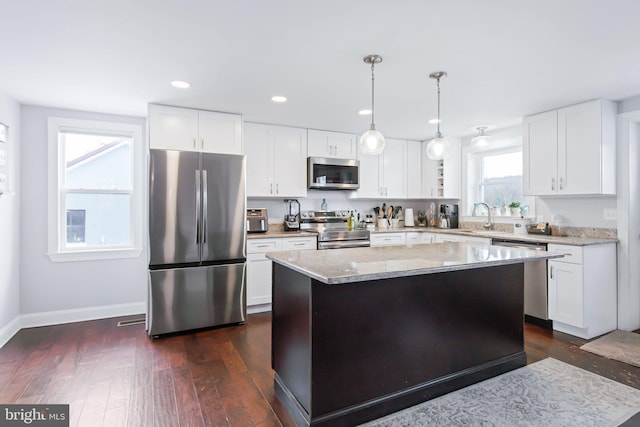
(618, 345)
(545, 393)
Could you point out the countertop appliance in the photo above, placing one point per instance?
(333, 231)
(257, 220)
(333, 174)
(292, 217)
(536, 308)
(448, 216)
(197, 224)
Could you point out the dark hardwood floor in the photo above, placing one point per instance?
(117, 376)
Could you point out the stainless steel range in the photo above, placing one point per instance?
(332, 229)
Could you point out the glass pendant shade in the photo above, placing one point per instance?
(371, 142)
(438, 148)
(480, 140)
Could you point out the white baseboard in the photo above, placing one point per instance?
(81, 314)
(260, 308)
(9, 331)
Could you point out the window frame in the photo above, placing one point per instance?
(472, 178)
(58, 251)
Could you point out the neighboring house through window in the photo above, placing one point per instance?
(94, 190)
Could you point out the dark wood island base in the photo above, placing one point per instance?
(348, 353)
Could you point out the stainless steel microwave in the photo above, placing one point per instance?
(333, 174)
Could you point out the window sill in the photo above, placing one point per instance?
(94, 255)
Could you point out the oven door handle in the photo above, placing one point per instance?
(344, 244)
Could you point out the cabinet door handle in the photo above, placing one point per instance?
(299, 244)
(263, 246)
(560, 183)
(551, 272)
(277, 188)
(195, 144)
(271, 188)
(553, 184)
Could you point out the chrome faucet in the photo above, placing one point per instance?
(488, 225)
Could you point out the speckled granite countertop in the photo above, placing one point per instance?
(561, 240)
(361, 264)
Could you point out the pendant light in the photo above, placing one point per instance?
(438, 147)
(480, 140)
(372, 141)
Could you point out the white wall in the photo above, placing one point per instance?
(10, 224)
(67, 291)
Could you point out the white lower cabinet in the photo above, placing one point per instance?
(387, 239)
(417, 237)
(582, 289)
(440, 238)
(259, 267)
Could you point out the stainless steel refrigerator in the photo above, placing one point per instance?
(197, 220)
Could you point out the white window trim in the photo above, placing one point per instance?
(506, 145)
(55, 203)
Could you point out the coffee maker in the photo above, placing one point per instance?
(292, 215)
(448, 216)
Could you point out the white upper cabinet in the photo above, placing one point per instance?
(276, 160)
(338, 145)
(394, 169)
(186, 129)
(414, 170)
(385, 175)
(540, 153)
(570, 151)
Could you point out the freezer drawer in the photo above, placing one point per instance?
(196, 297)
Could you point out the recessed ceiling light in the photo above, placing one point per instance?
(364, 112)
(433, 121)
(180, 84)
(279, 98)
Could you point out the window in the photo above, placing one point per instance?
(501, 178)
(495, 177)
(94, 194)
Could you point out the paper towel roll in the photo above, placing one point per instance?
(408, 217)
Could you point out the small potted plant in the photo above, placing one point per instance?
(514, 208)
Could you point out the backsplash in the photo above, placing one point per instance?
(588, 232)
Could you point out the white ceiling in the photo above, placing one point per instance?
(505, 58)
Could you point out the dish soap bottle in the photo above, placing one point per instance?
(323, 205)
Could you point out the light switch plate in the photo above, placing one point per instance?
(610, 214)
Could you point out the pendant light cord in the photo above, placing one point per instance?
(438, 81)
(373, 126)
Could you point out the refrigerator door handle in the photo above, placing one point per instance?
(197, 206)
(205, 210)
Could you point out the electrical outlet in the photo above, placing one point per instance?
(610, 214)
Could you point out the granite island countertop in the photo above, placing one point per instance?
(363, 264)
(537, 238)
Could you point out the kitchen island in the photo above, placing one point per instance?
(360, 333)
